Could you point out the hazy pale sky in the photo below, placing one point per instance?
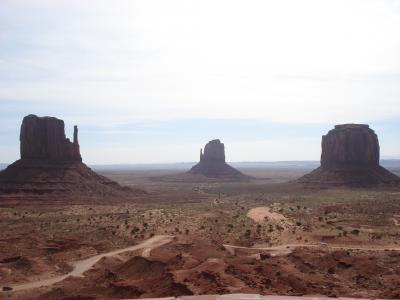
(153, 81)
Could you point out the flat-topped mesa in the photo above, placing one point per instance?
(350, 145)
(350, 157)
(44, 138)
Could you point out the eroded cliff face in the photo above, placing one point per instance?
(44, 138)
(350, 157)
(350, 144)
(214, 152)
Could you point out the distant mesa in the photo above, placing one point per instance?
(213, 165)
(51, 164)
(350, 157)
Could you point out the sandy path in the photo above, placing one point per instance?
(275, 251)
(262, 214)
(288, 248)
(81, 266)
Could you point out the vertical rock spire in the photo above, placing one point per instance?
(76, 135)
(77, 153)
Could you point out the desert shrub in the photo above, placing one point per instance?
(271, 228)
(135, 230)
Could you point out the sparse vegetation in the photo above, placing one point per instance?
(341, 217)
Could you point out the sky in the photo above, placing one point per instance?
(152, 81)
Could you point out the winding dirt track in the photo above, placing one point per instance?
(81, 266)
(286, 249)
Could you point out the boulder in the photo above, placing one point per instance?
(350, 157)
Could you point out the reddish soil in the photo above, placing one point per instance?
(43, 235)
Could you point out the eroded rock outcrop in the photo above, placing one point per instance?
(214, 152)
(51, 164)
(350, 144)
(212, 163)
(350, 157)
(44, 138)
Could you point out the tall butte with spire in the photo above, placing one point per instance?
(51, 164)
(213, 165)
(44, 139)
(350, 157)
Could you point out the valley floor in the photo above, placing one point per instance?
(264, 237)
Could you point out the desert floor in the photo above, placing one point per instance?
(264, 237)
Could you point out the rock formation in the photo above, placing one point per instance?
(44, 138)
(51, 164)
(350, 144)
(212, 163)
(214, 152)
(350, 157)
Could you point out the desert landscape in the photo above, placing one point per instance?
(199, 150)
(154, 234)
(220, 238)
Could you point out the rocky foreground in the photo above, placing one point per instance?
(250, 297)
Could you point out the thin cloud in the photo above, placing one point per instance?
(289, 62)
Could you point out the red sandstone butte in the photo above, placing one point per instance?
(51, 164)
(350, 157)
(213, 165)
